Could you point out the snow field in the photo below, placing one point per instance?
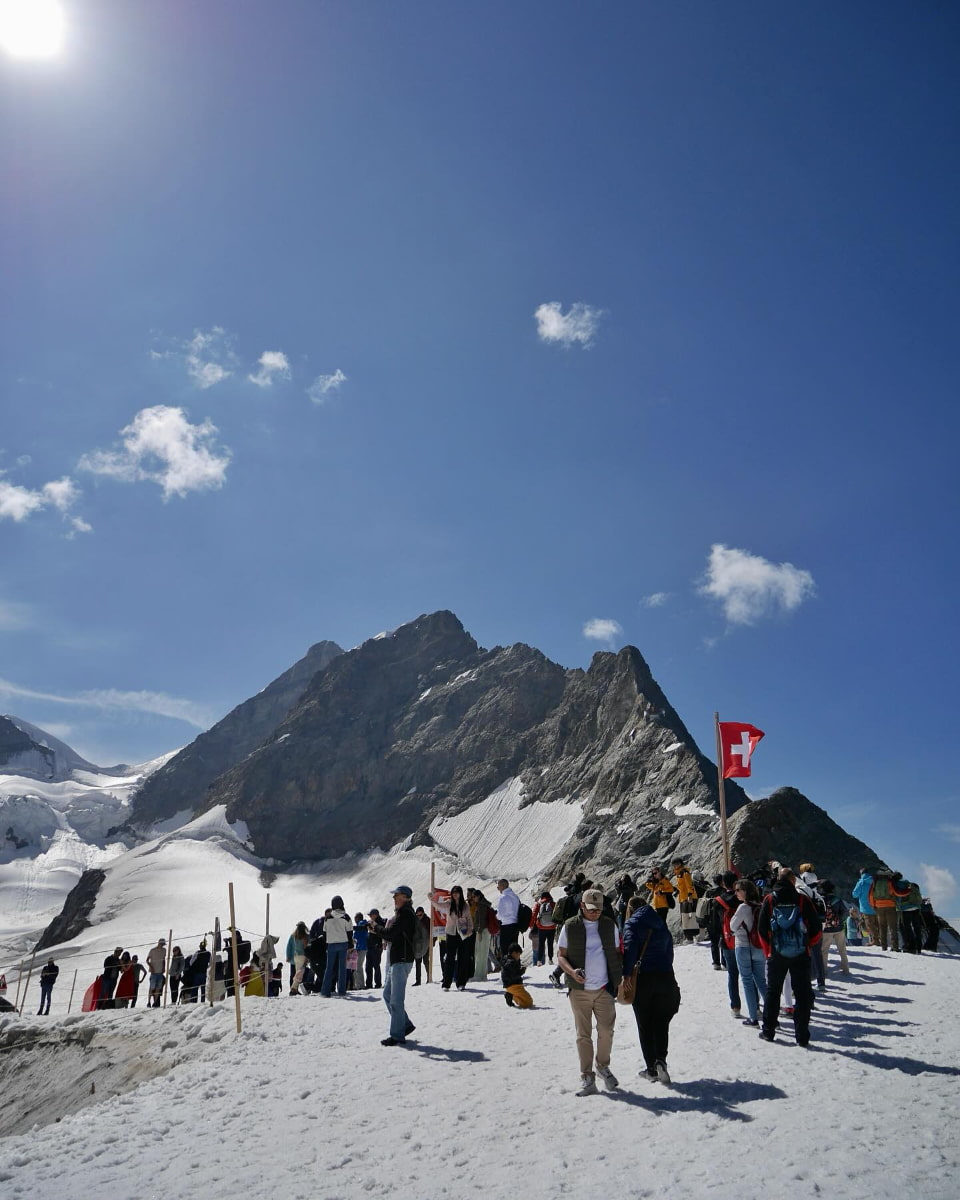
(308, 1103)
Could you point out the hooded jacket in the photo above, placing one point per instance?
(786, 893)
(658, 955)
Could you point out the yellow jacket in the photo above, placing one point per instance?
(661, 890)
(685, 885)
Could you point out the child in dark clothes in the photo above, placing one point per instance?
(511, 976)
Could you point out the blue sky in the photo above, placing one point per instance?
(323, 316)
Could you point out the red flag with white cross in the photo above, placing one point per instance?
(738, 742)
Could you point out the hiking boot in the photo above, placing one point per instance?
(588, 1086)
(734, 1012)
(803, 1041)
(662, 1073)
(717, 967)
(391, 1041)
(749, 1022)
(649, 1073)
(610, 1081)
(767, 1037)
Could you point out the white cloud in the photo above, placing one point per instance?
(206, 356)
(939, 884)
(655, 600)
(750, 587)
(950, 831)
(17, 503)
(601, 629)
(161, 445)
(577, 327)
(317, 391)
(157, 703)
(24, 460)
(273, 363)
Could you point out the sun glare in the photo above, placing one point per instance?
(31, 28)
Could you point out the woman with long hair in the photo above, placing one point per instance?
(751, 962)
(480, 911)
(297, 944)
(648, 946)
(458, 935)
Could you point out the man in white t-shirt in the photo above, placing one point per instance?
(508, 909)
(588, 951)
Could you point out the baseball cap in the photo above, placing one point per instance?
(403, 890)
(592, 898)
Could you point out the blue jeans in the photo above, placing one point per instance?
(753, 975)
(336, 957)
(394, 995)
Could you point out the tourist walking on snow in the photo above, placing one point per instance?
(484, 925)
(373, 977)
(360, 933)
(157, 963)
(687, 897)
(726, 905)
(458, 935)
(661, 893)
(648, 947)
(124, 993)
(400, 936)
(296, 955)
(790, 929)
(508, 909)
(176, 973)
(108, 980)
(546, 929)
(48, 977)
(588, 953)
(139, 972)
(748, 949)
(861, 893)
(338, 931)
(834, 933)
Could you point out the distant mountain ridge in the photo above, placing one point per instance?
(33, 753)
(183, 781)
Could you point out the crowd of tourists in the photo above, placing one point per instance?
(771, 931)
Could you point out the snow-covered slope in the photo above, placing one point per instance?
(305, 1102)
(51, 830)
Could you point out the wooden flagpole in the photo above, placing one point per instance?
(433, 884)
(267, 967)
(233, 955)
(23, 999)
(72, 986)
(723, 801)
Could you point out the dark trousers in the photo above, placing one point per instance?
(509, 934)
(46, 990)
(799, 970)
(372, 968)
(174, 988)
(733, 975)
(458, 960)
(420, 965)
(655, 1004)
(107, 985)
(714, 947)
(912, 931)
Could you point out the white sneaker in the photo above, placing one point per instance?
(610, 1081)
(662, 1073)
(588, 1086)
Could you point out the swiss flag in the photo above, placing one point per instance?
(738, 742)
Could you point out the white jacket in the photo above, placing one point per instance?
(336, 927)
(462, 925)
(508, 906)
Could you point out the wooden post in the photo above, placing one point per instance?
(16, 1002)
(166, 974)
(267, 967)
(233, 955)
(72, 986)
(433, 884)
(723, 801)
(212, 969)
(23, 1000)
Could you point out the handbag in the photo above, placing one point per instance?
(671, 900)
(628, 984)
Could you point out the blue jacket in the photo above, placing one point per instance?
(360, 935)
(861, 893)
(658, 955)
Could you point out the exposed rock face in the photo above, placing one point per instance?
(182, 783)
(73, 918)
(425, 723)
(789, 828)
(35, 754)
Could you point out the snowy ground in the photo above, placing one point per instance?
(307, 1103)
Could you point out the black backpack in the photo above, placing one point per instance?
(524, 917)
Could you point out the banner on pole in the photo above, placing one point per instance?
(437, 917)
(737, 742)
